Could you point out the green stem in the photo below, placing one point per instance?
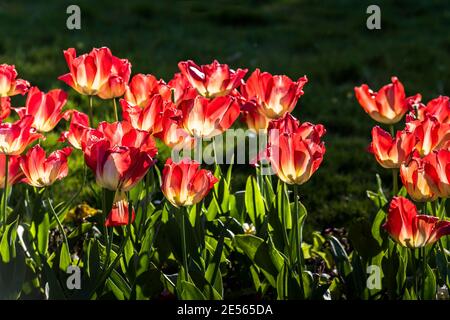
(183, 244)
(60, 226)
(283, 222)
(5, 192)
(108, 240)
(115, 109)
(91, 117)
(298, 233)
(395, 182)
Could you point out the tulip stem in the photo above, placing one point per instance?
(183, 244)
(298, 234)
(91, 117)
(395, 182)
(115, 109)
(58, 222)
(5, 192)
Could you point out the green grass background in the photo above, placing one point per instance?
(326, 40)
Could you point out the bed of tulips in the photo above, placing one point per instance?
(184, 232)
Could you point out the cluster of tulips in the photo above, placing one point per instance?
(199, 102)
(420, 154)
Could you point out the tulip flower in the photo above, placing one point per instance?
(44, 107)
(437, 172)
(212, 80)
(254, 119)
(414, 179)
(5, 108)
(143, 87)
(15, 174)
(96, 73)
(184, 183)
(431, 134)
(411, 229)
(148, 118)
(388, 105)
(172, 133)
(42, 172)
(15, 137)
(9, 85)
(79, 126)
(275, 95)
(294, 151)
(438, 108)
(120, 212)
(207, 118)
(181, 89)
(389, 152)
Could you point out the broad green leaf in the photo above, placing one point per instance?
(64, 258)
(254, 202)
(376, 226)
(429, 287)
(190, 292)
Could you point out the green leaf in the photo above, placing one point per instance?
(376, 226)
(64, 258)
(120, 288)
(340, 256)
(254, 202)
(190, 292)
(429, 287)
(283, 205)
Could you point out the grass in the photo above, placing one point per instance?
(328, 42)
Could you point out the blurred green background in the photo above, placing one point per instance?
(326, 40)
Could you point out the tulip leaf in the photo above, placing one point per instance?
(429, 287)
(340, 256)
(254, 202)
(190, 292)
(64, 257)
(376, 226)
(284, 206)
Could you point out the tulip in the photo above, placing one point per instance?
(15, 137)
(42, 172)
(5, 108)
(275, 95)
(9, 85)
(207, 118)
(438, 108)
(411, 229)
(294, 151)
(148, 118)
(14, 173)
(431, 134)
(184, 183)
(96, 73)
(120, 212)
(143, 87)
(79, 127)
(414, 179)
(388, 105)
(389, 152)
(44, 107)
(172, 133)
(437, 171)
(181, 89)
(212, 80)
(254, 119)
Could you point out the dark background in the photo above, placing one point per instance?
(326, 40)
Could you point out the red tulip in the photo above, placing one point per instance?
(274, 95)
(438, 108)
(120, 211)
(97, 73)
(390, 152)
(254, 119)
(173, 134)
(411, 229)
(5, 108)
(212, 80)
(431, 134)
(437, 170)
(388, 105)
(184, 183)
(143, 87)
(15, 137)
(14, 173)
(44, 107)
(414, 179)
(148, 118)
(79, 126)
(42, 172)
(9, 85)
(181, 89)
(294, 151)
(207, 118)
